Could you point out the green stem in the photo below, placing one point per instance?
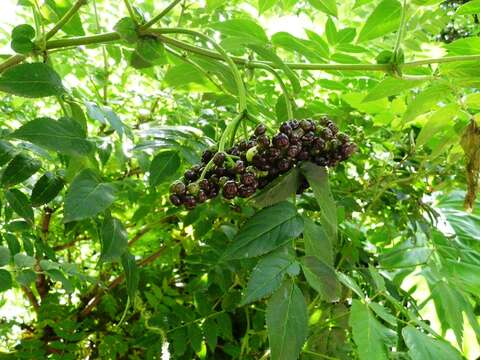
(242, 94)
(104, 55)
(130, 11)
(286, 94)
(65, 18)
(159, 16)
(401, 30)
(113, 36)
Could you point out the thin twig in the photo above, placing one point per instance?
(65, 18)
(159, 16)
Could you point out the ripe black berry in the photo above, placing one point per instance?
(248, 179)
(229, 189)
(283, 165)
(293, 151)
(239, 167)
(280, 141)
(201, 196)
(189, 202)
(203, 184)
(308, 137)
(260, 130)
(294, 124)
(190, 175)
(263, 141)
(286, 129)
(207, 156)
(219, 158)
(245, 191)
(175, 200)
(306, 125)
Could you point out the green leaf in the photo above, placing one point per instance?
(4, 256)
(126, 28)
(32, 80)
(321, 277)
(20, 204)
(46, 189)
(329, 7)
(22, 36)
(266, 231)
(5, 280)
(7, 152)
(307, 48)
(383, 20)
(149, 52)
(278, 190)
(470, 8)
(350, 283)
(287, 322)
(187, 76)
(317, 242)
(426, 100)
(74, 26)
(450, 305)
(369, 335)
(466, 46)
(26, 277)
(268, 274)
(87, 196)
(246, 31)
(383, 313)
(163, 167)
(422, 347)
(331, 31)
(264, 5)
(210, 329)
(270, 55)
(391, 86)
(317, 177)
(440, 120)
(65, 135)
(24, 261)
(57, 275)
(114, 239)
(19, 169)
(132, 275)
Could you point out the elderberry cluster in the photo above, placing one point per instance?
(252, 164)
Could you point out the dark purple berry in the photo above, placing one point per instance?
(273, 154)
(201, 196)
(302, 155)
(294, 124)
(190, 175)
(248, 179)
(239, 167)
(284, 165)
(333, 128)
(306, 125)
(260, 130)
(234, 151)
(189, 202)
(229, 189)
(245, 191)
(326, 134)
(219, 158)
(286, 129)
(293, 151)
(207, 156)
(220, 171)
(308, 137)
(319, 144)
(196, 168)
(203, 184)
(280, 141)
(263, 141)
(175, 200)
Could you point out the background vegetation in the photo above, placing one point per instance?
(379, 259)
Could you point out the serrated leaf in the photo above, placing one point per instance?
(5, 280)
(329, 7)
(65, 135)
(20, 203)
(317, 242)
(350, 283)
(425, 101)
(317, 177)
(87, 196)
(383, 20)
(437, 122)
(278, 190)
(132, 275)
(19, 169)
(33, 80)
(114, 239)
(267, 275)
(46, 189)
(368, 334)
(391, 86)
(246, 31)
(422, 347)
(321, 277)
(163, 167)
(266, 231)
(287, 322)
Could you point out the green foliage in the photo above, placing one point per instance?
(375, 258)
